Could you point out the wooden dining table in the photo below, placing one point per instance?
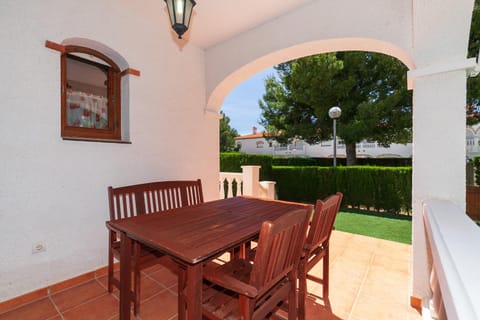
(192, 236)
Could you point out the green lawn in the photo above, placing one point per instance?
(378, 225)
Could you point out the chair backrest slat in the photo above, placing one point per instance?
(146, 198)
(279, 247)
(323, 220)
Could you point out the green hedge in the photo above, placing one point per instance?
(380, 188)
(372, 187)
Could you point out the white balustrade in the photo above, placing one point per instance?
(453, 240)
(229, 178)
(247, 184)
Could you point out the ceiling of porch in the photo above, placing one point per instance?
(214, 21)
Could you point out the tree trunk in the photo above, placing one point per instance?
(351, 154)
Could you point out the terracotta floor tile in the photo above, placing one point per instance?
(165, 276)
(77, 295)
(103, 280)
(39, 310)
(343, 293)
(160, 307)
(403, 247)
(101, 308)
(370, 307)
(173, 289)
(316, 309)
(413, 314)
(384, 293)
(162, 262)
(149, 288)
(152, 269)
(355, 257)
(346, 268)
(396, 263)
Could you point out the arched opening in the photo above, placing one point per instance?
(223, 86)
(244, 72)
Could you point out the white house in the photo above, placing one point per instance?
(53, 187)
(256, 143)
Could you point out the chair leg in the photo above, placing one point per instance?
(136, 279)
(302, 288)
(182, 281)
(292, 297)
(110, 269)
(136, 290)
(245, 308)
(326, 261)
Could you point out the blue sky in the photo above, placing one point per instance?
(241, 105)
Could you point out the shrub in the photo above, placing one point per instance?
(371, 187)
(379, 188)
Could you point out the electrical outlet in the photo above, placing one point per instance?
(38, 247)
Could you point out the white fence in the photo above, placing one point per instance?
(247, 183)
(453, 240)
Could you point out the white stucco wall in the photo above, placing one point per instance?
(55, 191)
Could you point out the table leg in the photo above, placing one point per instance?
(125, 275)
(194, 291)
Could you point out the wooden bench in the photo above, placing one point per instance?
(145, 198)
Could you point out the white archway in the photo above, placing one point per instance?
(225, 85)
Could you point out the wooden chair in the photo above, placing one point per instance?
(146, 198)
(240, 289)
(317, 247)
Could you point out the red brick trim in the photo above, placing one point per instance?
(416, 303)
(133, 72)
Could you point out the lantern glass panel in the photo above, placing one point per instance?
(188, 9)
(171, 10)
(179, 11)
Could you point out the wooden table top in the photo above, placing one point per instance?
(200, 232)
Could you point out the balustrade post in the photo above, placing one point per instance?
(230, 187)
(251, 180)
(268, 189)
(222, 189)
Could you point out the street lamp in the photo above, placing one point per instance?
(334, 113)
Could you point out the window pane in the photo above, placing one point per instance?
(87, 94)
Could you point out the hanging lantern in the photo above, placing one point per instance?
(180, 12)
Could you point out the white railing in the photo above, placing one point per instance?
(227, 181)
(453, 240)
(247, 183)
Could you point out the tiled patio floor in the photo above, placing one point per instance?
(369, 280)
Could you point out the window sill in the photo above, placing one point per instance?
(97, 140)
